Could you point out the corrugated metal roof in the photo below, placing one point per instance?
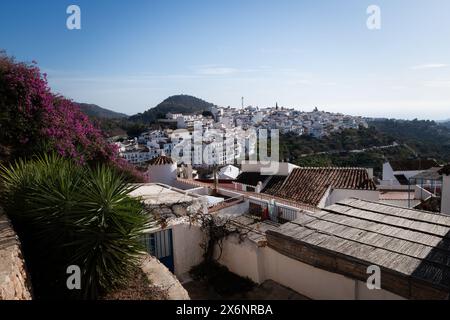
(411, 247)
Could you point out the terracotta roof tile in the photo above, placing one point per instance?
(309, 185)
(274, 184)
(161, 160)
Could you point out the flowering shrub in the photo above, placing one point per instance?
(33, 119)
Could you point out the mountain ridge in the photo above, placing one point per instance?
(95, 111)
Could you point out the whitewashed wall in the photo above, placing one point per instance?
(186, 248)
(235, 210)
(166, 174)
(263, 263)
(388, 175)
(240, 258)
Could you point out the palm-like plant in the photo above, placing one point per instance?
(70, 215)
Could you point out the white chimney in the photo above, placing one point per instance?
(445, 201)
(370, 172)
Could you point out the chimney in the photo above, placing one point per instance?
(258, 187)
(370, 172)
(445, 198)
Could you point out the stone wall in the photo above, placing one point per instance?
(14, 280)
(160, 277)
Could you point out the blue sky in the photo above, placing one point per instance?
(130, 55)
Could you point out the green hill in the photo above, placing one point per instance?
(94, 111)
(428, 138)
(175, 104)
(445, 124)
(415, 139)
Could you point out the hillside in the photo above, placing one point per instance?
(334, 150)
(445, 124)
(417, 138)
(95, 111)
(294, 146)
(427, 138)
(175, 104)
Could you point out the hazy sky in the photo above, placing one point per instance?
(130, 55)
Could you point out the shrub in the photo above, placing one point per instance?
(67, 214)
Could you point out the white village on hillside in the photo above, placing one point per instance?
(234, 122)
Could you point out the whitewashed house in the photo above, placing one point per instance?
(399, 172)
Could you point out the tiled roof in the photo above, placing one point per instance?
(309, 185)
(274, 184)
(161, 160)
(411, 247)
(251, 178)
(413, 165)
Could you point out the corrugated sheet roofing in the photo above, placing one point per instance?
(411, 247)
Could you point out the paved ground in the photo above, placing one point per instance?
(268, 290)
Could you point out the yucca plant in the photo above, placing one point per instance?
(109, 226)
(71, 215)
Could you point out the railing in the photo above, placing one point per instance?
(226, 203)
(290, 203)
(277, 209)
(287, 214)
(273, 211)
(261, 196)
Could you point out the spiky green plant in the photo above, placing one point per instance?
(72, 215)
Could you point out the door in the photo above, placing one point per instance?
(160, 245)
